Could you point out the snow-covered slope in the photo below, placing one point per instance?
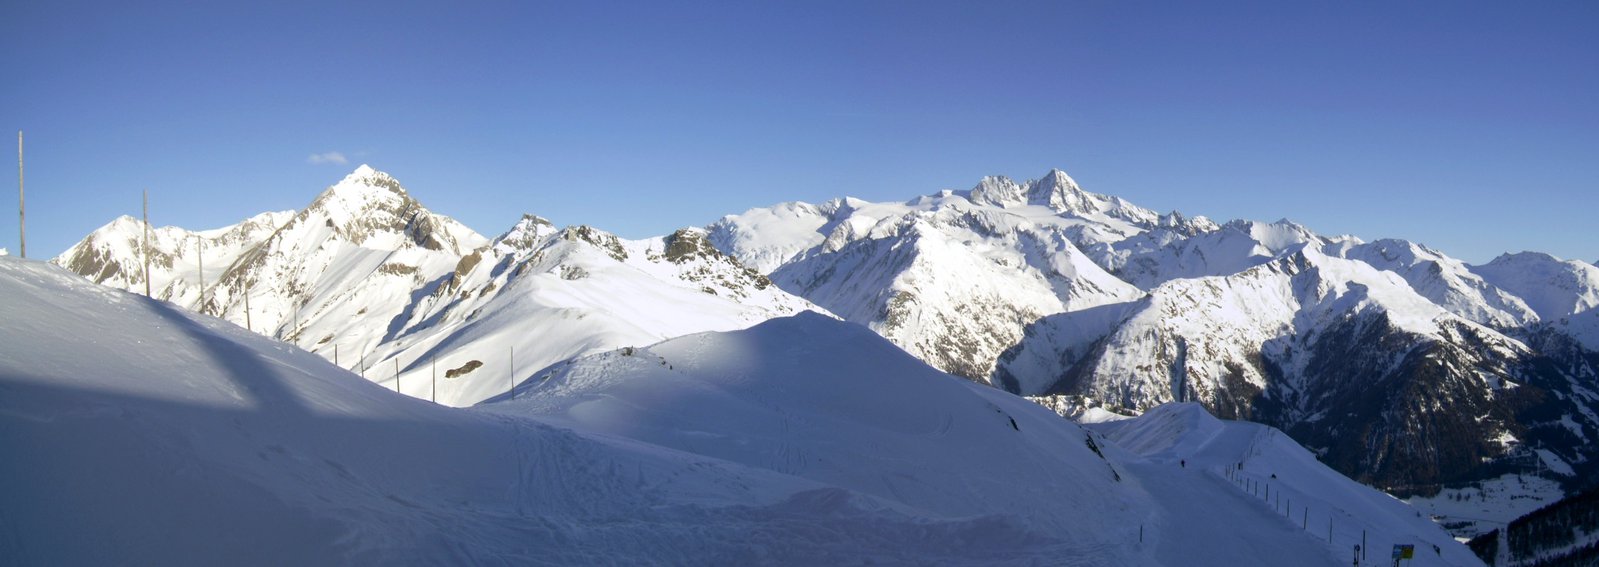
(1235, 247)
(1552, 287)
(538, 295)
(1564, 293)
(832, 403)
(1282, 477)
(138, 433)
(369, 278)
(1447, 282)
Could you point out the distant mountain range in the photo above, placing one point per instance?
(1394, 363)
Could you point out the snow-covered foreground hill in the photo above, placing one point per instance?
(138, 433)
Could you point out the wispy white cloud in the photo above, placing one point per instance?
(327, 157)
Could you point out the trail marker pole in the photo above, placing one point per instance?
(22, 202)
(511, 376)
(199, 246)
(146, 244)
(397, 374)
(434, 395)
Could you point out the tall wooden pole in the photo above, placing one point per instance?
(22, 201)
(147, 243)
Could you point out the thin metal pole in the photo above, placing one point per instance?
(199, 245)
(434, 394)
(247, 308)
(397, 374)
(22, 201)
(511, 376)
(147, 243)
(335, 354)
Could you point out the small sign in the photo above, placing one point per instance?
(1404, 551)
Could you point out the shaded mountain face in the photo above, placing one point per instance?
(369, 278)
(1384, 385)
(1397, 364)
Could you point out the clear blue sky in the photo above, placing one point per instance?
(1473, 128)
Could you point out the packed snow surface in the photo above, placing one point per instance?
(1281, 477)
(138, 433)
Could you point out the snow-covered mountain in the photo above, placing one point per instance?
(955, 277)
(1384, 384)
(369, 278)
(1400, 365)
(1234, 247)
(1447, 282)
(177, 437)
(113, 254)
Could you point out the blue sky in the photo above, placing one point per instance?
(1470, 127)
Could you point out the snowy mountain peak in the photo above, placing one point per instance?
(1059, 192)
(365, 175)
(1553, 287)
(528, 232)
(998, 191)
(366, 183)
(1055, 190)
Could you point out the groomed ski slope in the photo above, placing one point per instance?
(135, 433)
